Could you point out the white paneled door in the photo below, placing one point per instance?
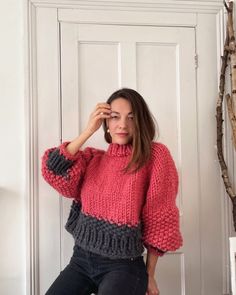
(81, 64)
(159, 63)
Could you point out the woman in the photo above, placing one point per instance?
(123, 200)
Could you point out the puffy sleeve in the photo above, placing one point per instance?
(160, 215)
(64, 171)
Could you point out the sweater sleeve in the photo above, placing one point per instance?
(64, 171)
(160, 215)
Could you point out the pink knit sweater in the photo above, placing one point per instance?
(119, 212)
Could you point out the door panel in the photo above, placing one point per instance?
(159, 63)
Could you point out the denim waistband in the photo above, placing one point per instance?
(80, 251)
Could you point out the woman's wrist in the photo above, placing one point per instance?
(151, 264)
(151, 273)
(74, 146)
(87, 133)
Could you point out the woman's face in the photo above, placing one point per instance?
(121, 123)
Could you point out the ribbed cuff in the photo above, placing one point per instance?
(67, 154)
(58, 163)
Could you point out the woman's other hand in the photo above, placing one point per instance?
(101, 112)
(152, 286)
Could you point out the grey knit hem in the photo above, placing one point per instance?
(73, 216)
(105, 238)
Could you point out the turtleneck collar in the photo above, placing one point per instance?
(115, 149)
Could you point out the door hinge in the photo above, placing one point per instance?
(196, 60)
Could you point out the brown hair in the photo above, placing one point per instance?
(144, 128)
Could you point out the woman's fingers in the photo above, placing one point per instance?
(102, 107)
(102, 111)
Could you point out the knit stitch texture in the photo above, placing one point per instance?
(115, 213)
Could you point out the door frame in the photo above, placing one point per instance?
(160, 13)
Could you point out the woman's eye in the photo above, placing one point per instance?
(114, 117)
(130, 118)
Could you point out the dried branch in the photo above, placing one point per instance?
(226, 6)
(231, 116)
(232, 51)
(229, 49)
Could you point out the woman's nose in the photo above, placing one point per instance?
(123, 123)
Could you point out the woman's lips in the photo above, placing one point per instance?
(122, 134)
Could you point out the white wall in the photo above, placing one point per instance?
(12, 159)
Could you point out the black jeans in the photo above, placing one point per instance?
(89, 273)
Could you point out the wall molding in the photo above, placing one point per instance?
(141, 5)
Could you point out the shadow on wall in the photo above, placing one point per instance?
(12, 240)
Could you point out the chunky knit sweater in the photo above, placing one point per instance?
(113, 213)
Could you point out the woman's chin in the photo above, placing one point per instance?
(121, 140)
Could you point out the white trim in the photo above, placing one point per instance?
(232, 242)
(27, 149)
(128, 17)
(32, 216)
(142, 5)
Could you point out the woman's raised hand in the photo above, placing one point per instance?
(101, 112)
